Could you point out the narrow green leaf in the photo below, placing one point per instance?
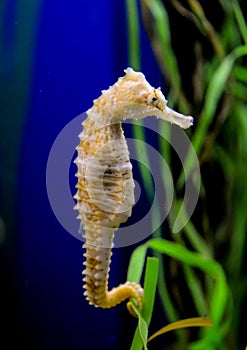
(189, 322)
(143, 330)
(210, 266)
(144, 317)
(165, 297)
(240, 73)
(136, 264)
(196, 240)
(141, 333)
(166, 57)
(214, 92)
(134, 50)
(150, 282)
(194, 285)
(240, 20)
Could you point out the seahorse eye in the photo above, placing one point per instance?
(155, 101)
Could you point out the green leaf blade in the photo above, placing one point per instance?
(144, 316)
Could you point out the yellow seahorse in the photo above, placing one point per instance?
(105, 188)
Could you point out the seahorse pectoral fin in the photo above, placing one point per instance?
(81, 230)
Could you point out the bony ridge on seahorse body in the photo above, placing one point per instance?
(105, 187)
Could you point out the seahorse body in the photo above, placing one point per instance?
(105, 188)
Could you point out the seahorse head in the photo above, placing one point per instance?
(134, 98)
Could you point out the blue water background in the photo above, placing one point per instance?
(76, 49)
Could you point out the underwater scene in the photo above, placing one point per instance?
(123, 167)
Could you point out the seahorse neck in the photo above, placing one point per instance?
(99, 119)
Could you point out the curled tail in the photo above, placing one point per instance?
(98, 258)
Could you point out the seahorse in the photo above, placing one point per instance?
(105, 187)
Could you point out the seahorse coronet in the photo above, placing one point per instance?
(105, 186)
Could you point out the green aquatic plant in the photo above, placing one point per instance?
(151, 276)
(215, 236)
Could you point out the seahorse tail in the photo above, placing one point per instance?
(98, 259)
(123, 292)
(98, 295)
